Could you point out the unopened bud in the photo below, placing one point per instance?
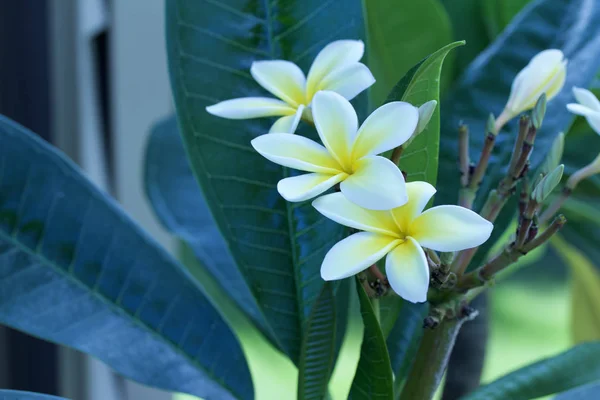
(547, 184)
(425, 113)
(554, 155)
(447, 258)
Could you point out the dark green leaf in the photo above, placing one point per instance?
(497, 14)
(399, 34)
(278, 246)
(590, 391)
(17, 395)
(180, 206)
(420, 85)
(318, 347)
(374, 379)
(567, 370)
(569, 25)
(75, 270)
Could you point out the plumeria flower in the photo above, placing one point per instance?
(588, 107)
(336, 68)
(349, 156)
(545, 73)
(399, 234)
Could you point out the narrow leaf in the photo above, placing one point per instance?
(374, 379)
(567, 370)
(76, 270)
(318, 347)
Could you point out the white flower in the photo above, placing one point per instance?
(399, 234)
(545, 73)
(336, 68)
(588, 107)
(349, 155)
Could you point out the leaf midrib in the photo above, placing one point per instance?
(111, 305)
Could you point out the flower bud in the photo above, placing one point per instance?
(545, 73)
(425, 113)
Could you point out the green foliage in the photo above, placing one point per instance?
(77, 271)
(421, 84)
(318, 347)
(497, 14)
(17, 395)
(374, 378)
(397, 39)
(585, 392)
(485, 87)
(567, 370)
(547, 184)
(277, 246)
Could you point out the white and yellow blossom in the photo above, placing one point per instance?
(349, 155)
(399, 234)
(545, 73)
(588, 107)
(336, 68)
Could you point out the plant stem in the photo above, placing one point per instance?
(396, 154)
(556, 205)
(431, 361)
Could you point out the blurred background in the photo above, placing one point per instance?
(90, 76)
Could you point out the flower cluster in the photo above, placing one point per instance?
(373, 196)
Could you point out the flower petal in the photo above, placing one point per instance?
(407, 271)
(419, 194)
(307, 186)
(335, 55)
(336, 123)
(338, 208)
(376, 184)
(348, 81)
(386, 128)
(586, 98)
(296, 152)
(591, 116)
(450, 228)
(288, 124)
(250, 107)
(282, 78)
(355, 254)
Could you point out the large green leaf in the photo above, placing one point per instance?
(75, 270)
(399, 34)
(318, 347)
(278, 246)
(467, 24)
(497, 14)
(567, 370)
(374, 378)
(420, 85)
(18, 395)
(569, 25)
(178, 203)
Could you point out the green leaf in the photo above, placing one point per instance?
(374, 379)
(585, 392)
(420, 85)
(564, 24)
(397, 39)
(585, 292)
(76, 270)
(567, 370)
(18, 395)
(468, 25)
(497, 14)
(318, 347)
(278, 246)
(179, 205)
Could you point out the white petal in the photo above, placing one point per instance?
(355, 254)
(450, 228)
(407, 271)
(386, 128)
(591, 116)
(348, 81)
(296, 152)
(282, 78)
(419, 194)
(335, 55)
(376, 184)
(307, 186)
(250, 107)
(288, 124)
(586, 98)
(336, 123)
(338, 208)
